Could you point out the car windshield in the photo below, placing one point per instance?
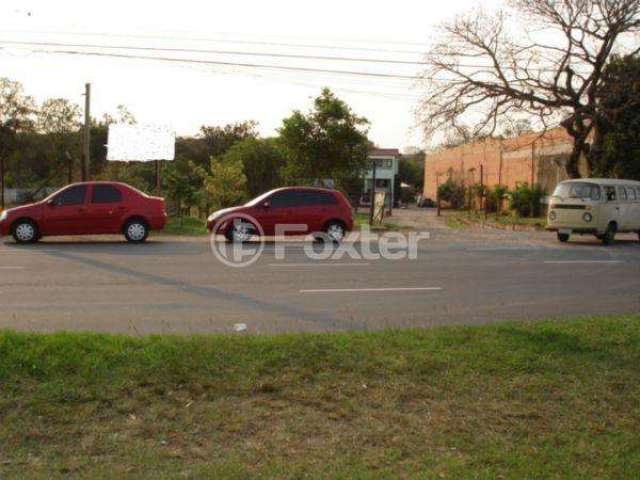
(258, 200)
(582, 190)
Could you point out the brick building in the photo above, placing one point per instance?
(533, 158)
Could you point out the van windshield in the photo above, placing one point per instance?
(582, 190)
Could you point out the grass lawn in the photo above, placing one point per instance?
(362, 218)
(556, 399)
(463, 219)
(188, 226)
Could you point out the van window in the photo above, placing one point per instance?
(610, 192)
(583, 190)
(631, 193)
(622, 194)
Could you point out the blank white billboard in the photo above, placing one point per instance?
(140, 143)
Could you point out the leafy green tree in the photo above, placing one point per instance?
(220, 139)
(329, 142)
(16, 111)
(59, 120)
(227, 183)
(262, 161)
(616, 149)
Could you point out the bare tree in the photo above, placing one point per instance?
(539, 59)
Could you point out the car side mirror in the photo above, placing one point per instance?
(52, 202)
(266, 205)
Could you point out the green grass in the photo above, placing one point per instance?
(557, 399)
(361, 219)
(188, 226)
(462, 219)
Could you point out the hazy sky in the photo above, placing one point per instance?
(186, 96)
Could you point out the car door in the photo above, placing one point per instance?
(316, 209)
(65, 214)
(106, 209)
(285, 209)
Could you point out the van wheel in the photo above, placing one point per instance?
(610, 234)
(563, 237)
(136, 231)
(25, 231)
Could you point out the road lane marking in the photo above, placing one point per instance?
(319, 264)
(11, 268)
(577, 262)
(366, 290)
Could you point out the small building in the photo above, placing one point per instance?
(386, 161)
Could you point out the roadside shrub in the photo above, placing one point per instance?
(477, 192)
(495, 197)
(526, 201)
(452, 193)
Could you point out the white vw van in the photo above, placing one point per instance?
(600, 207)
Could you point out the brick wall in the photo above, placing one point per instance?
(529, 158)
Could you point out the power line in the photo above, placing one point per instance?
(217, 40)
(256, 54)
(217, 52)
(230, 64)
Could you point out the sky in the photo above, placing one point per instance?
(188, 95)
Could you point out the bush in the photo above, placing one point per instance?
(526, 200)
(495, 197)
(453, 193)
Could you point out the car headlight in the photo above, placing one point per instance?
(4, 215)
(587, 217)
(552, 215)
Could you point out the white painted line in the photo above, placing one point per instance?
(578, 262)
(365, 290)
(319, 264)
(11, 268)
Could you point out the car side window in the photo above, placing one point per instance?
(631, 193)
(622, 194)
(319, 198)
(287, 199)
(106, 194)
(71, 196)
(610, 192)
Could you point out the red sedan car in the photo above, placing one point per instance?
(87, 209)
(311, 210)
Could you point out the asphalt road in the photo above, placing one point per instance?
(173, 285)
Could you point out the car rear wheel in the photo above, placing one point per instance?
(610, 234)
(563, 237)
(25, 231)
(335, 231)
(136, 231)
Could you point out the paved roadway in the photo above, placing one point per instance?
(173, 285)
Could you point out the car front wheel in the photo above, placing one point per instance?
(25, 231)
(136, 231)
(239, 231)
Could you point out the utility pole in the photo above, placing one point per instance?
(2, 180)
(86, 143)
(373, 195)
